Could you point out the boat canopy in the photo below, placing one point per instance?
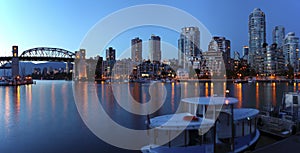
(291, 98)
(244, 113)
(210, 100)
(180, 121)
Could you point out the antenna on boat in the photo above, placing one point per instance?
(148, 120)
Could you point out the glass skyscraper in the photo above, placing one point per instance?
(188, 46)
(136, 49)
(224, 48)
(110, 54)
(154, 48)
(291, 51)
(278, 35)
(257, 38)
(273, 60)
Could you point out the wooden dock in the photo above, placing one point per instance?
(288, 145)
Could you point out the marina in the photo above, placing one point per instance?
(55, 111)
(17, 81)
(283, 121)
(211, 127)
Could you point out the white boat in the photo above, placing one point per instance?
(283, 122)
(176, 133)
(3, 82)
(229, 130)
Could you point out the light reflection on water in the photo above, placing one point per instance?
(238, 94)
(44, 117)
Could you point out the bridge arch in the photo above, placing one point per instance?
(47, 54)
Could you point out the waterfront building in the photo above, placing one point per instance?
(224, 46)
(214, 59)
(80, 65)
(110, 54)
(154, 48)
(110, 60)
(273, 60)
(136, 49)
(99, 68)
(189, 47)
(236, 55)
(291, 51)
(257, 38)
(245, 52)
(182, 74)
(278, 35)
(91, 65)
(123, 69)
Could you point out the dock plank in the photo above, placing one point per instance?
(288, 145)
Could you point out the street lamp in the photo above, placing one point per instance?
(227, 92)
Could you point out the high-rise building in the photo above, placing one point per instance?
(273, 60)
(214, 59)
(80, 65)
(291, 51)
(136, 49)
(154, 48)
(224, 47)
(236, 55)
(110, 60)
(245, 52)
(189, 46)
(278, 35)
(99, 68)
(110, 54)
(257, 38)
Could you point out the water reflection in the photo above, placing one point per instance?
(211, 89)
(47, 110)
(28, 93)
(7, 107)
(173, 96)
(257, 94)
(53, 101)
(239, 94)
(273, 85)
(17, 96)
(206, 89)
(64, 91)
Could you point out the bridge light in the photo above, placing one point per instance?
(15, 51)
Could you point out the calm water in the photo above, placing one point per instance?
(44, 117)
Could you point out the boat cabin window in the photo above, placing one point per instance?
(192, 138)
(295, 99)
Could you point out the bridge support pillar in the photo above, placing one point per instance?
(68, 67)
(15, 62)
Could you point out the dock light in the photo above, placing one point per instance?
(227, 91)
(248, 118)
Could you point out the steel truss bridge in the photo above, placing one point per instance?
(40, 54)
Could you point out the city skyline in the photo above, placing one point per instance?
(64, 29)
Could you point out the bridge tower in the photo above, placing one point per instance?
(15, 62)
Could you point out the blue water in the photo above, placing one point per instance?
(44, 117)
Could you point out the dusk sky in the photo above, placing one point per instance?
(64, 24)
